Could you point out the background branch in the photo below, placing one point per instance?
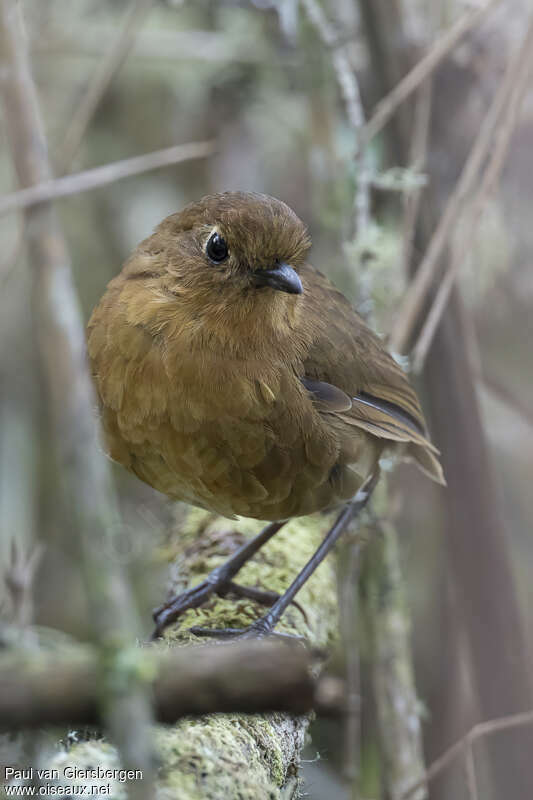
(40, 688)
(464, 745)
(53, 189)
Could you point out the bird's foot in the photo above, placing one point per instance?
(167, 613)
(260, 629)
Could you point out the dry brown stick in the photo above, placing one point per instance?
(101, 79)
(84, 473)
(41, 688)
(488, 182)
(53, 189)
(425, 275)
(510, 722)
(423, 69)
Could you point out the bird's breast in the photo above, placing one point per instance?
(239, 437)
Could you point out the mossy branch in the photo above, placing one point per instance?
(251, 756)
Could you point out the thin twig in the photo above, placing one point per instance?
(427, 271)
(101, 79)
(423, 69)
(480, 730)
(53, 189)
(489, 180)
(354, 108)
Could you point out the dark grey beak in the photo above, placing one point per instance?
(282, 277)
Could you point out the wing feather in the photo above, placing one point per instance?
(347, 360)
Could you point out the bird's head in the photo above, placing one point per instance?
(224, 269)
(234, 244)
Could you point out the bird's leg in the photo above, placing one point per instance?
(217, 581)
(266, 624)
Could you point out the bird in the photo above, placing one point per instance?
(232, 375)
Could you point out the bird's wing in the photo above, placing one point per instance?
(350, 374)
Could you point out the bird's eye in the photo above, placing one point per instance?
(216, 249)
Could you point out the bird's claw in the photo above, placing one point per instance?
(265, 597)
(167, 613)
(257, 630)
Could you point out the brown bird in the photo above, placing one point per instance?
(234, 376)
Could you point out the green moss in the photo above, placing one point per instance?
(231, 756)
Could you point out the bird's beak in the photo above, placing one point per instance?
(283, 278)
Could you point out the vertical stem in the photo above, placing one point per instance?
(349, 87)
(85, 479)
(392, 672)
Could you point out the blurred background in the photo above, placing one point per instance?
(257, 78)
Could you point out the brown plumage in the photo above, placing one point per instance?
(223, 384)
